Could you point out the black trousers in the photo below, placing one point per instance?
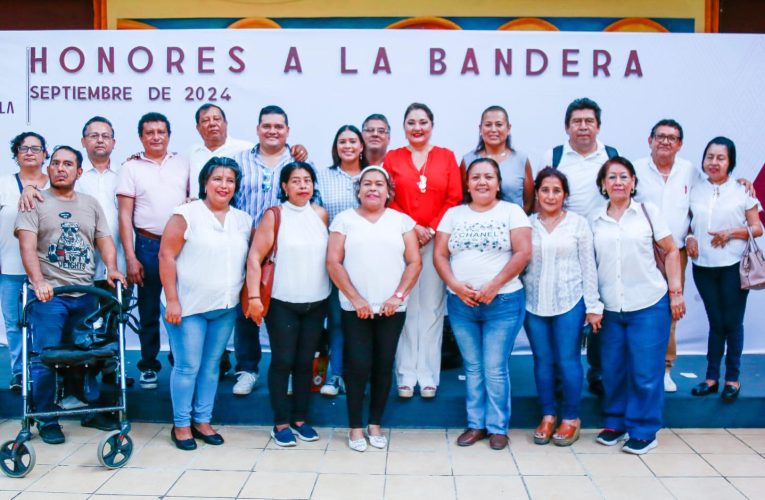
(370, 348)
(293, 331)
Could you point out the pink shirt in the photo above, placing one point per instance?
(156, 187)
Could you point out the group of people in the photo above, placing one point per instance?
(378, 247)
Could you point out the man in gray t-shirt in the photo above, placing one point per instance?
(57, 240)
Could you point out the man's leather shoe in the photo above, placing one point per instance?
(730, 393)
(498, 441)
(471, 437)
(704, 389)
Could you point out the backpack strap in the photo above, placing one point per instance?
(611, 151)
(557, 155)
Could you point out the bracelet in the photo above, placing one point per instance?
(688, 237)
(253, 297)
(676, 293)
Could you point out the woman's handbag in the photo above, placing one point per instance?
(659, 254)
(267, 269)
(752, 267)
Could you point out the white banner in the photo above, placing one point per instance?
(52, 82)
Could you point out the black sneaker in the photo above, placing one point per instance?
(101, 421)
(639, 446)
(610, 437)
(52, 434)
(148, 379)
(15, 384)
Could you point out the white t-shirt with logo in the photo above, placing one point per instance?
(479, 242)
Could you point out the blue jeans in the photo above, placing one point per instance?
(335, 327)
(725, 303)
(485, 335)
(50, 325)
(147, 251)
(10, 300)
(633, 345)
(197, 344)
(556, 345)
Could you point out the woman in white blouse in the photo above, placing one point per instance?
(561, 295)
(639, 308)
(722, 216)
(295, 317)
(481, 249)
(374, 260)
(199, 308)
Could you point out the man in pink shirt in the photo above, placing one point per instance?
(151, 184)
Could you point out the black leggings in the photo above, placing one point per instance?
(370, 347)
(293, 331)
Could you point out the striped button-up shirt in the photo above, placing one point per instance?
(260, 188)
(337, 190)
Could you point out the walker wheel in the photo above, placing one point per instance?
(17, 459)
(114, 450)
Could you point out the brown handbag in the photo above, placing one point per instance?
(752, 267)
(267, 269)
(659, 254)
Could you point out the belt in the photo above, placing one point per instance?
(147, 234)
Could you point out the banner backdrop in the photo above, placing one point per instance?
(52, 82)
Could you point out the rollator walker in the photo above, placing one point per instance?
(17, 457)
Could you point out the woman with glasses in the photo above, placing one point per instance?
(337, 194)
(29, 151)
(723, 215)
(428, 183)
(298, 307)
(198, 306)
(494, 143)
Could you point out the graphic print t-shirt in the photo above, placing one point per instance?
(479, 242)
(66, 234)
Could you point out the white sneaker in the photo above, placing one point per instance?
(334, 386)
(669, 384)
(357, 444)
(245, 381)
(71, 403)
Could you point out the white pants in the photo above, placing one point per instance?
(418, 359)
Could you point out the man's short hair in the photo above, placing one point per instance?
(152, 117)
(375, 116)
(582, 103)
(272, 109)
(205, 107)
(97, 119)
(76, 152)
(668, 122)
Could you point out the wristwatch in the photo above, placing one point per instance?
(400, 296)
(432, 231)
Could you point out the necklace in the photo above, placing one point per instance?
(552, 221)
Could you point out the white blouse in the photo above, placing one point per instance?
(628, 278)
(562, 268)
(714, 208)
(301, 275)
(210, 267)
(374, 254)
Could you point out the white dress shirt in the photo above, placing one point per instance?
(717, 207)
(103, 187)
(673, 197)
(562, 268)
(200, 155)
(581, 171)
(628, 278)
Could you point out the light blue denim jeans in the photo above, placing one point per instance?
(485, 335)
(10, 301)
(197, 345)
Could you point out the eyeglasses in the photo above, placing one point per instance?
(268, 177)
(95, 136)
(34, 149)
(672, 139)
(380, 130)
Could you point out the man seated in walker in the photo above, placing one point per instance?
(57, 239)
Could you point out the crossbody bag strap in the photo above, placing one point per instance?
(277, 222)
(645, 212)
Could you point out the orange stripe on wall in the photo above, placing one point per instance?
(99, 15)
(712, 16)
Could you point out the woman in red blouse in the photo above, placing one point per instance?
(427, 180)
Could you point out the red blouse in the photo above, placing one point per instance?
(443, 189)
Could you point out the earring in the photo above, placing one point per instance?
(603, 191)
(361, 156)
(632, 192)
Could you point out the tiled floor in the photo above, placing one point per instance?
(696, 464)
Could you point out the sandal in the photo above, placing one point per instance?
(567, 433)
(544, 432)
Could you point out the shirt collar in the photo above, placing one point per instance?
(567, 149)
(87, 166)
